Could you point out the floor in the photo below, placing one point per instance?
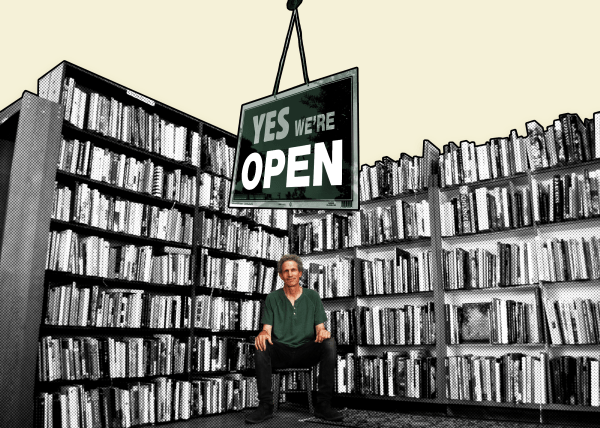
(288, 415)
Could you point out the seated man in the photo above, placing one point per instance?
(294, 336)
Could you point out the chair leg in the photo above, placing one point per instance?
(308, 383)
(276, 387)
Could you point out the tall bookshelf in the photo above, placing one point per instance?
(508, 278)
(166, 173)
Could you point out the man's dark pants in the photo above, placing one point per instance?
(280, 356)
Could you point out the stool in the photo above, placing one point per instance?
(307, 374)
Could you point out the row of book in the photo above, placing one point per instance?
(290, 381)
(95, 256)
(569, 197)
(217, 156)
(469, 163)
(406, 325)
(575, 322)
(342, 326)
(500, 321)
(328, 233)
(483, 209)
(574, 381)
(218, 313)
(70, 305)
(244, 276)
(393, 374)
(399, 221)
(93, 208)
(569, 259)
(402, 325)
(277, 218)
(77, 358)
(102, 164)
(510, 378)
(215, 353)
(334, 279)
(214, 194)
(406, 273)
(237, 237)
(83, 158)
(519, 378)
(510, 265)
(130, 124)
(142, 403)
(390, 178)
(569, 140)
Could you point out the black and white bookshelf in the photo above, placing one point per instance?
(505, 235)
(134, 249)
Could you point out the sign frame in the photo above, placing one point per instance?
(351, 203)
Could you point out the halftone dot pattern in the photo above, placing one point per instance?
(499, 311)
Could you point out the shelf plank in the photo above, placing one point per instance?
(119, 236)
(71, 131)
(59, 330)
(61, 278)
(107, 188)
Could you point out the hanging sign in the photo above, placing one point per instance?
(299, 148)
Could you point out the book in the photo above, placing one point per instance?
(475, 325)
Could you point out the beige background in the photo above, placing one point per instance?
(437, 70)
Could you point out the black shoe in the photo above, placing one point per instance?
(325, 411)
(262, 413)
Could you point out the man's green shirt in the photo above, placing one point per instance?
(293, 325)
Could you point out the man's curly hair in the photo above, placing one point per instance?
(287, 258)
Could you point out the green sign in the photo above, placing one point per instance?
(299, 148)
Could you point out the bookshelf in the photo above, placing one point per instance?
(513, 263)
(374, 312)
(124, 192)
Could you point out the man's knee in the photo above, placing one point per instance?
(263, 355)
(329, 346)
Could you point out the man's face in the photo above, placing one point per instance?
(290, 273)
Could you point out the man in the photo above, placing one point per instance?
(294, 335)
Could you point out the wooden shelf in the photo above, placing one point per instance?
(492, 182)
(242, 334)
(132, 195)
(245, 220)
(61, 278)
(404, 195)
(503, 289)
(104, 381)
(235, 256)
(394, 295)
(60, 225)
(557, 169)
(385, 397)
(55, 330)
(70, 131)
(493, 404)
(219, 292)
(489, 234)
(338, 251)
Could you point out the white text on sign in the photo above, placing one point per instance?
(275, 160)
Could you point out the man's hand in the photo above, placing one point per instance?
(261, 340)
(322, 335)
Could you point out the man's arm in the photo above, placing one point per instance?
(260, 342)
(322, 334)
